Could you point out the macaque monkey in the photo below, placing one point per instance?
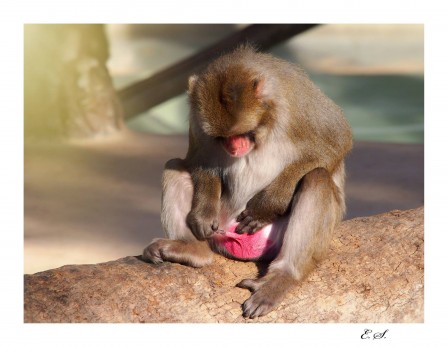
(266, 150)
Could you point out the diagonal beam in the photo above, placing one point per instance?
(172, 81)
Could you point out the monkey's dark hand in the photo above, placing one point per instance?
(202, 224)
(260, 211)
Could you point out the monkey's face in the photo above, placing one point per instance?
(229, 107)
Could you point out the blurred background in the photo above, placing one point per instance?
(93, 161)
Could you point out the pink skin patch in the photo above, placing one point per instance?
(237, 145)
(245, 246)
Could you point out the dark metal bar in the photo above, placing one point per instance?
(172, 81)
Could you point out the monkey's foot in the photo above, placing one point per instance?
(267, 293)
(191, 253)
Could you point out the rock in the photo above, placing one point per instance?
(373, 273)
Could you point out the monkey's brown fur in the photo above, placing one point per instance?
(292, 175)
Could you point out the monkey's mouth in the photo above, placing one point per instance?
(238, 145)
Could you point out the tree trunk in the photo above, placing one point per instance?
(68, 90)
(373, 273)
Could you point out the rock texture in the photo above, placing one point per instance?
(373, 273)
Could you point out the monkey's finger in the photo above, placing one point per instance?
(239, 228)
(201, 230)
(207, 231)
(242, 215)
(254, 226)
(248, 230)
(242, 229)
(197, 232)
(215, 225)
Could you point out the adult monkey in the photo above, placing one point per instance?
(266, 151)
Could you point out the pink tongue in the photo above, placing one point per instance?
(237, 145)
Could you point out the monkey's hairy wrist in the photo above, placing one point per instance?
(245, 246)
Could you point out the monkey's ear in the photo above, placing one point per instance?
(191, 83)
(258, 85)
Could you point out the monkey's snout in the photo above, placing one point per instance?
(238, 145)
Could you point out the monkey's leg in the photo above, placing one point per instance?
(181, 246)
(317, 208)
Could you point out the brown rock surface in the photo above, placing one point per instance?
(373, 273)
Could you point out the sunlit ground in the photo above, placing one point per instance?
(100, 200)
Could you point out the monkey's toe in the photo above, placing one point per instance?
(267, 293)
(258, 305)
(152, 254)
(159, 251)
(248, 283)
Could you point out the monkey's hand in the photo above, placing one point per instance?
(203, 223)
(274, 200)
(260, 211)
(203, 217)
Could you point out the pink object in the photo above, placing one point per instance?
(245, 246)
(237, 145)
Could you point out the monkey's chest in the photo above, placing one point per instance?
(241, 182)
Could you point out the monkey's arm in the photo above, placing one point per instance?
(203, 217)
(274, 200)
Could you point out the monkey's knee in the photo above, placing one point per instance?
(175, 176)
(321, 185)
(175, 164)
(316, 177)
(177, 195)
